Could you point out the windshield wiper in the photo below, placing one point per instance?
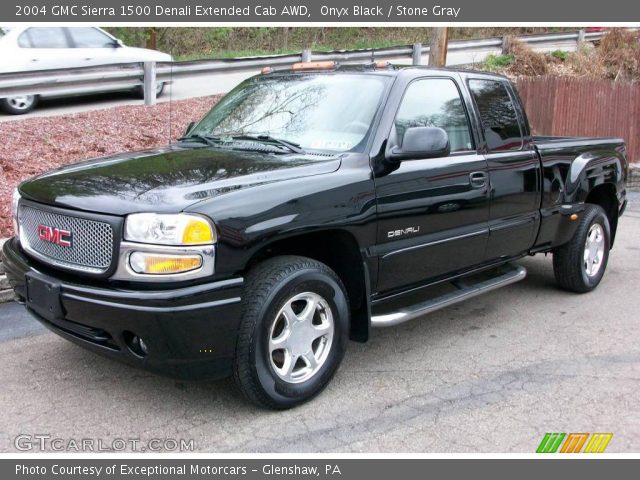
(206, 139)
(294, 147)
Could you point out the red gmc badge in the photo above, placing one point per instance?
(61, 237)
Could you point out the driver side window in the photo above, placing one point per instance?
(435, 102)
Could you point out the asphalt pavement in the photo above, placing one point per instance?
(493, 374)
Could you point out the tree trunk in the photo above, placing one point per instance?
(438, 47)
(152, 39)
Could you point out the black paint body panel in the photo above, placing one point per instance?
(448, 224)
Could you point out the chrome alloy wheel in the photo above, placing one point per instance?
(300, 337)
(594, 250)
(21, 102)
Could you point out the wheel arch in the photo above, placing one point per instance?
(340, 251)
(605, 195)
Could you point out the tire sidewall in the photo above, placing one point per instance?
(6, 107)
(306, 280)
(600, 218)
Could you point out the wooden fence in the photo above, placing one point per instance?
(582, 107)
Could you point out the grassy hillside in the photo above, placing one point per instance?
(201, 42)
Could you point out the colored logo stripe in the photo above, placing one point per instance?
(598, 442)
(574, 443)
(550, 442)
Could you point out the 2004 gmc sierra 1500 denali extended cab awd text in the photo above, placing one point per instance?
(309, 205)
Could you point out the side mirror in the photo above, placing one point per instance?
(421, 142)
(117, 43)
(189, 128)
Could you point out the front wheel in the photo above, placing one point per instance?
(19, 104)
(580, 264)
(294, 331)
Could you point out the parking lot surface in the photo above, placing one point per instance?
(489, 375)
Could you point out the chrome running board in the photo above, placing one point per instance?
(506, 275)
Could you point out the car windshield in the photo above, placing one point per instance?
(321, 112)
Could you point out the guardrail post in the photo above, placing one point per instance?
(149, 86)
(580, 37)
(306, 55)
(505, 44)
(416, 54)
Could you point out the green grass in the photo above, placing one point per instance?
(498, 62)
(560, 55)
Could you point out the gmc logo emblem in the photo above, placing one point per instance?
(64, 238)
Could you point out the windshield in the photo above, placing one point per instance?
(323, 112)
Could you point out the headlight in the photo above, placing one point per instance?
(14, 210)
(169, 229)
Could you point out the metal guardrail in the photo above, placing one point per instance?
(130, 75)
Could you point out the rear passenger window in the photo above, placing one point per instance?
(435, 102)
(43, 37)
(498, 115)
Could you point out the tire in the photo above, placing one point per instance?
(139, 91)
(267, 375)
(575, 270)
(19, 105)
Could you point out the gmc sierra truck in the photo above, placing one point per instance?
(310, 205)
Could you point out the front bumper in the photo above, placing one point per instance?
(190, 331)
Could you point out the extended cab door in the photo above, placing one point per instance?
(514, 168)
(432, 213)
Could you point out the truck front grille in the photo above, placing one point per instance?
(88, 246)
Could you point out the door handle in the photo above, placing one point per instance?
(478, 179)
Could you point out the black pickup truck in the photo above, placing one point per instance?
(308, 206)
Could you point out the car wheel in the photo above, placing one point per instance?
(293, 333)
(580, 264)
(139, 90)
(19, 104)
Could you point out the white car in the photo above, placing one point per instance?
(25, 49)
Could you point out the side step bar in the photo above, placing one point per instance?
(508, 274)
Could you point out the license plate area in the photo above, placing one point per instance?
(43, 297)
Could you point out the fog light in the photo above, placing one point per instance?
(135, 344)
(163, 264)
(143, 346)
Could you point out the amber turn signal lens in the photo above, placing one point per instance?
(197, 231)
(162, 264)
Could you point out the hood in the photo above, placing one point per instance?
(168, 180)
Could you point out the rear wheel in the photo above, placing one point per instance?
(139, 91)
(293, 333)
(19, 104)
(580, 264)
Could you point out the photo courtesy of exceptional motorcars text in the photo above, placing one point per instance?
(300, 239)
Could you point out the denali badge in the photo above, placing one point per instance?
(64, 238)
(404, 231)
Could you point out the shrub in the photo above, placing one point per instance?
(560, 55)
(498, 62)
